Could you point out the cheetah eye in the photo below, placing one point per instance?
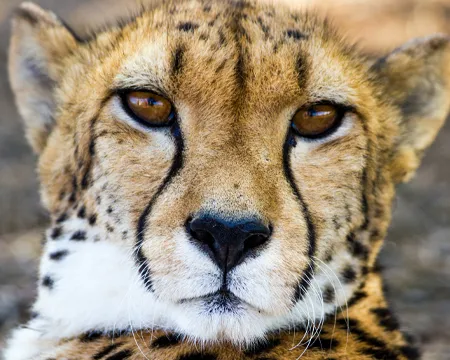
(317, 120)
(148, 108)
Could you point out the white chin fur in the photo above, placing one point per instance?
(97, 287)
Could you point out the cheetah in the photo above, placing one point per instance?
(219, 177)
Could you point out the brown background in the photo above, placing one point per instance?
(417, 252)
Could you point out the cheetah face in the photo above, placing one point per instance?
(241, 158)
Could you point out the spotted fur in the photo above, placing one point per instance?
(120, 276)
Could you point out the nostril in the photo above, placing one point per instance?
(254, 241)
(202, 236)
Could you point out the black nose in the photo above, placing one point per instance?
(227, 242)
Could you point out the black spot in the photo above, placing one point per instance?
(295, 34)
(62, 194)
(187, 26)
(92, 142)
(222, 38)
(344, 323)
(328, 294)
(336, 223)
(364, 270)
(109, 210)
(378, 348)
(410, 352)
(166, 341)
(72, 198)
(357, 296)
(56, 232)
(356, 248)
(265, 29)
(48, 282)
(177, 62)
(198, 356)
(239, 69)
(349, 274)
(301, 70)
(207, 8)
(386, 319)
(106, 351)
(92, 219)
(85, 179)
(61, 218)
(323, 344)
(79, 235)
(375, 234)
(91, 336)
(74, 183)
(82, 212)
(124, 354)
(109, 228)
(263, 346)
(328, 256)
(58, 255)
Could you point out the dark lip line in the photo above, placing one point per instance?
(219, 292)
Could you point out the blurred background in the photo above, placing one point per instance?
(416, 256)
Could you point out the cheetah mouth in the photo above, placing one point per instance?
(221, 301)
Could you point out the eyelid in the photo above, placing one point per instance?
(346, 107)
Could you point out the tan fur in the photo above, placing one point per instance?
(234, 124)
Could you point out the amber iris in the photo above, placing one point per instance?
(316, 120)
(149, 108)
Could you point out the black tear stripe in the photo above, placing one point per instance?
(303, 284)
(177, 164)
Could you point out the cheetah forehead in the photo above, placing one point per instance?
(184, 48)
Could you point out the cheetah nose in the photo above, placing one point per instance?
(228, 243)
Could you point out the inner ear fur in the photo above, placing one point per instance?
(39, 42)
(416, 78)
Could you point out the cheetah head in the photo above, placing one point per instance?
(221, 169)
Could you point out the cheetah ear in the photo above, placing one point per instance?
(39, 41)
(416, 77)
